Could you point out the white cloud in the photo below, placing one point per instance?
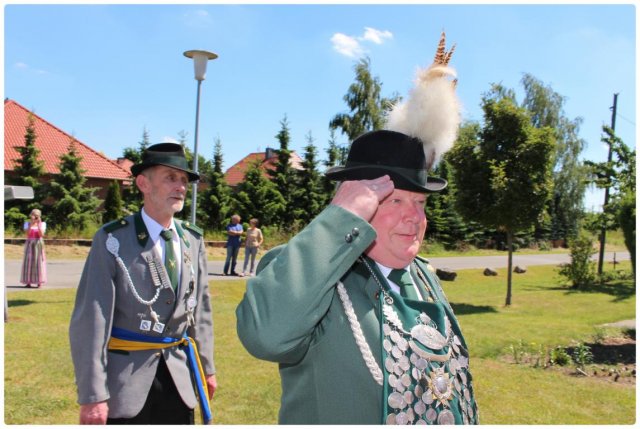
(167, 139)
(376, 36)
(346, 45)
(21, 66)
(352, 46)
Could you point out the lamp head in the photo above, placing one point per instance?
(200, 59)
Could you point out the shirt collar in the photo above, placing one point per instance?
(153, 228)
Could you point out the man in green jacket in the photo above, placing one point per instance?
(358, 323)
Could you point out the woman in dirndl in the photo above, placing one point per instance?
(34, 263)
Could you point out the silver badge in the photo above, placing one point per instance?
(145, 325)
(158, 327)
(191, 303)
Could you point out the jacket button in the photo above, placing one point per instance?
(169, 302)
(158, 354)
(355, 232)
(348, 238)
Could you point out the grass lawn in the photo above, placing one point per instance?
(39, 386)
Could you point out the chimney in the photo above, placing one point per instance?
(270, 153)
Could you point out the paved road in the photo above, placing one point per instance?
(66, 273)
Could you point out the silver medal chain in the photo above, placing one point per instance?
(113, 246)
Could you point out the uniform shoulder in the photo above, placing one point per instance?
(191, 227)
(115, 225)
(425, 261)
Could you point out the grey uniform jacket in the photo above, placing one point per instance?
(291, 314)
(105, 300)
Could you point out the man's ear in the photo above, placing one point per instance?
(142, 183)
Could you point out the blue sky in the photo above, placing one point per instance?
(106, 72)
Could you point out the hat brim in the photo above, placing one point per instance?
(139, 168)
(366, 172)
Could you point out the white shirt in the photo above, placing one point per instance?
(385, 272)
(154, 229)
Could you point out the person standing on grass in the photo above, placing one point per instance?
(251, 245)
(34, 262)
(141, 331)
(234, 236)
(357, 321)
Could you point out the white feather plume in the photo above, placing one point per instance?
(431, 113)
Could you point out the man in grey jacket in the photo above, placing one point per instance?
(141, 332)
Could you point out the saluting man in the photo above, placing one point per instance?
(356, 320)
(142, 328)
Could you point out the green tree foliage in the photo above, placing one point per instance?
(619, 176)
(75, 205)
(113, 205)
(284, 176)
(366, 106)
(308, 199)
(503, 174)
(28, 171)
(131, 195)
(258, 197)
(446, 225)
(569, 174)
(215, 201)
(581, 270)
(333, 159)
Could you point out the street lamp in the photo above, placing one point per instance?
(200, 59)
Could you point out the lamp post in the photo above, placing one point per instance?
(200, 59)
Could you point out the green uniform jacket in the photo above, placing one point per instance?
(291, 314)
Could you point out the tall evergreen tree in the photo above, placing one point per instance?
(308, 199)
(75, 205)
(366, 106)
(258, 197)
(333, 158)
(113, 205)
(131, 196)
(216, 198)
(28, 171)
(503, 174)
(283, 176)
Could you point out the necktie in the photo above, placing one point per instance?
(170, 257)
(403, 279)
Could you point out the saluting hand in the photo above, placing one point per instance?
(362, 197)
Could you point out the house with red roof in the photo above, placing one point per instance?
(52, 142)
(268, 159)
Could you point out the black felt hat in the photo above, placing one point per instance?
(402, 157)
(167, 154)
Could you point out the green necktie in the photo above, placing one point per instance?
(170, 257)
(403, 279)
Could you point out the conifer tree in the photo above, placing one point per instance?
(258, 197)
(113, 206)
(283, 176)
(75, 205)
(216, 198)
(308, 199)
(28, 171)
(333, 156)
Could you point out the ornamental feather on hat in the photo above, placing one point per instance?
(432, 111)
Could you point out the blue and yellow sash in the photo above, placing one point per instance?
(122, 339)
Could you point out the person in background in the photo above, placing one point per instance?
(234, 236)
(252, 243)
(34, 263)
(357, 321)
(141, 330)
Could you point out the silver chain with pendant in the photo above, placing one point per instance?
(421, 383)
(113, 246)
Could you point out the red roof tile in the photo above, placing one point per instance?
(235, 173)
(52, 142)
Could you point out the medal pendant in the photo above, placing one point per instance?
(158, 327)
(145, 325)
